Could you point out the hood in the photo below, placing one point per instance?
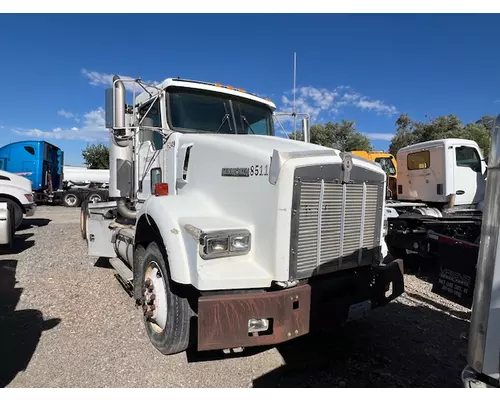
(8, 179)
(257, 143)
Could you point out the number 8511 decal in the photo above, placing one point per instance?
(259, 170)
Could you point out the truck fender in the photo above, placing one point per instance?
(167, 233)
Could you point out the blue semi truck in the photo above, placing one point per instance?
(43, 164)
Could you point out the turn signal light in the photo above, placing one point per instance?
(161, 189)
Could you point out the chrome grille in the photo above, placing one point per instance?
(337, 226)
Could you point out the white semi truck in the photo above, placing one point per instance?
(228, 236)
(483, 369)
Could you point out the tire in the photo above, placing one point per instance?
(7, 248)
(94, 196)
(16, 213)
(83, 219)
(71, 200)
(168, 324)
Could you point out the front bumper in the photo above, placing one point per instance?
(30, 209)
(223, 320)
(472, 380)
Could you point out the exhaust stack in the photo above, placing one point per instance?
(120, 149)
(306, 130)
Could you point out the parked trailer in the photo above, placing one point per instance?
(228, 236)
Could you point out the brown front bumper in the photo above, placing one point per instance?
(223, 319)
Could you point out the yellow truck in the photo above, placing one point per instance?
(389, 165)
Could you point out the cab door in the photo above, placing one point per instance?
(468, 176)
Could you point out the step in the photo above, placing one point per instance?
(120, 267)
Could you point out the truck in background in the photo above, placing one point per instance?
(16, 193)
(438, 214)
(43, 164)
(483, 367)
(388, 163)
(228, 236)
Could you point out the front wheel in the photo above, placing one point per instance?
(16, 213)
(166, 314)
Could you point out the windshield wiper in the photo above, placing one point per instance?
(248, 123)
(224, 119)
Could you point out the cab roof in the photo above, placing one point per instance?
(438, 143)
(214, 87)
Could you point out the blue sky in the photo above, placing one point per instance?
(366, 68)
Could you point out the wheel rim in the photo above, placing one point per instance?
(71, 199)
(94, 197)
(155, 297)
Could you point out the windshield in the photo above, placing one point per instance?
(387, 165)
(202, 111)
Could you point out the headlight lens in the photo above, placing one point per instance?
(240, 242)
(224, 243)
(217, 245)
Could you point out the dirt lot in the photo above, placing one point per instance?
(65, 322)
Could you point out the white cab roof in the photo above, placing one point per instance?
(437, 143)
(143, 97)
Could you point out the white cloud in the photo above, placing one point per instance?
(66, 114)
(380, 136)
(375, 105)
(92, 129)
(321, 103)
(104, 79)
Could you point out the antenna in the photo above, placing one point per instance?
(294, 88)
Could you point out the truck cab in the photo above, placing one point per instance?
(228, 236)
(442, 171)
(16, 193)
(388, 163)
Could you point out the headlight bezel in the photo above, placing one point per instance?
(207, 237)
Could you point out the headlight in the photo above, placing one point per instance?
(224, 244)
(386, 226)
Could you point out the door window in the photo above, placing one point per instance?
(468, 157)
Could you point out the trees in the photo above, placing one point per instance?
(342, 136)
(96, 156)
(410, 132)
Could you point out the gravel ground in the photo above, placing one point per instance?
(65, 322)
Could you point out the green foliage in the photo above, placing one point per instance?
(342, 136)
(409, 132)
(96, 156)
